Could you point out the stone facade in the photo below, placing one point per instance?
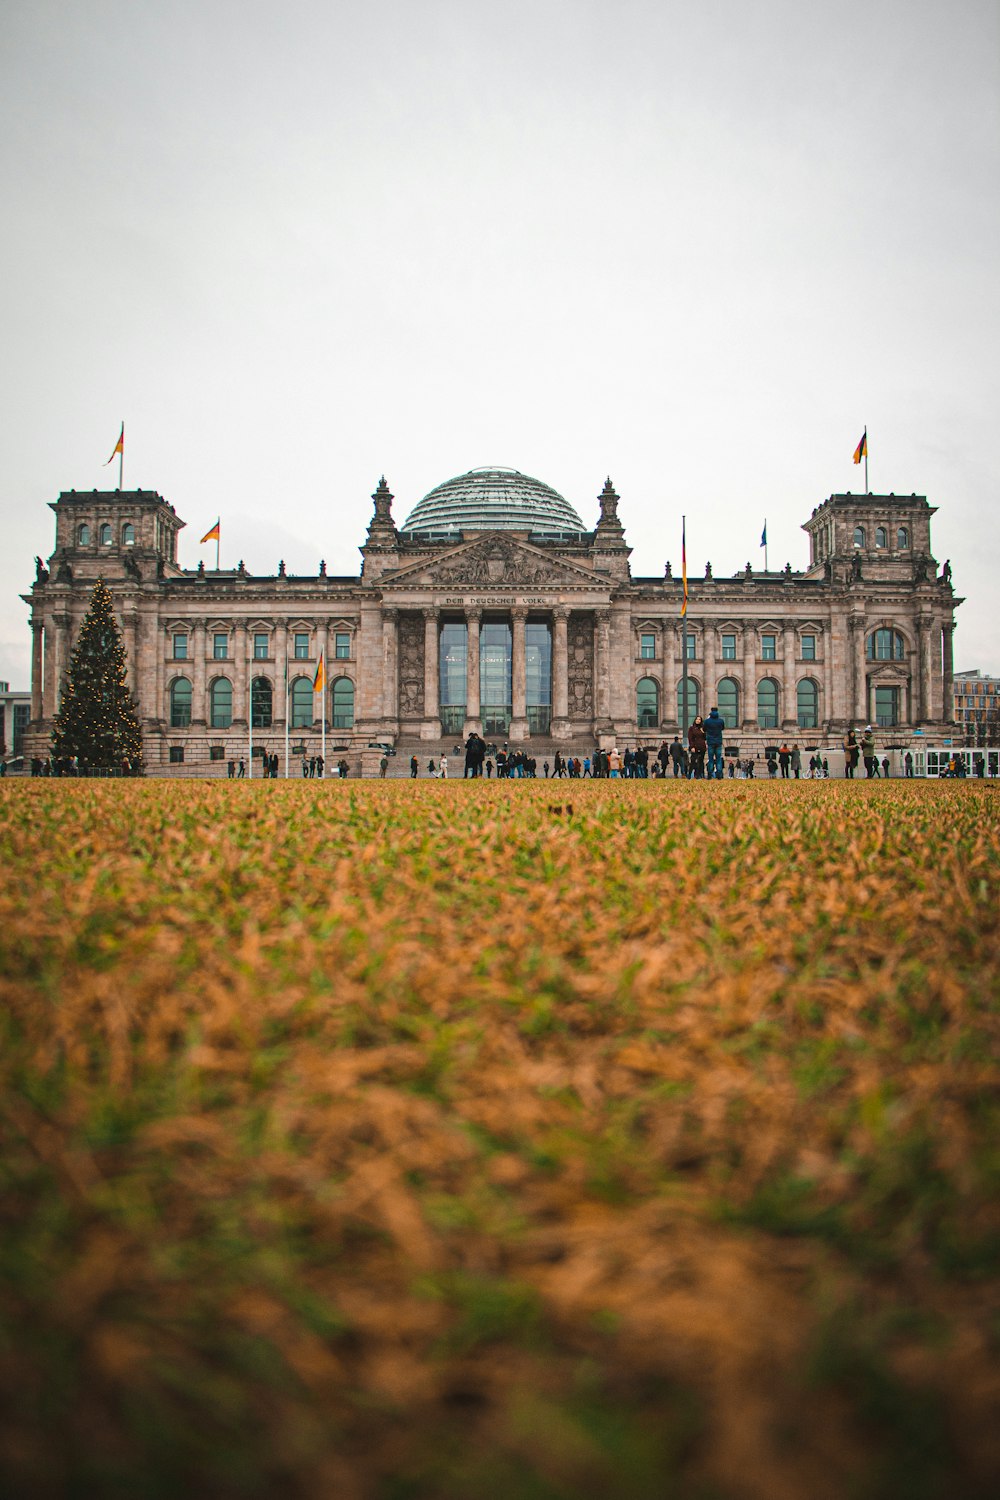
(579, 651)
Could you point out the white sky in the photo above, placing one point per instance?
(693, 246)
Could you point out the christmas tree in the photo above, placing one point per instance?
(98, 722)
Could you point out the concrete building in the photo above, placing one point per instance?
(15, 712)
(977, 707)
(493, 608)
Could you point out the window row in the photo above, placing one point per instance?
(882, 537)
(727, 698)
(727, 646)
(301, 645)
(301, 703)
(105, 535)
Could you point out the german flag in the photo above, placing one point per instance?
(319, 681)
(861, 451)
(684, 569)
(213, 535)
(119, 447)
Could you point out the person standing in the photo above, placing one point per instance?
(413, 768)
(676, 753)
(242, 770)
(796, 761)
(850, 754)
(383, 766)
(784, 760)
(908, 764)
(868, 752)
(697, 745)
(714, 729)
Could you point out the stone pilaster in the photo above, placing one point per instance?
(280, 707)
(37, 632)
(50, 667)
(560, 674)
(518, 676)
(241, 669)
(602, 653)
(390, 670)
(948, 671)
(473, 710)
(199, 693)
(432, 668)
(859, 672)
(710, 673)
(789, 701)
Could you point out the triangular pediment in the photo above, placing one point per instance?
(493, 560)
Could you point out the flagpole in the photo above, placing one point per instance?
(684, 634)
(286, 712)
(121, 458)
(323, 714)
(867, 489)
(218, 544)
(766, 568)
(250, 717)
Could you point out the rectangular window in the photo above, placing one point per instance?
(729, 648)
(220, 647)
(342, 645)
(260, 642)
(768, 649)
(886, 706)
(176, 755)
(180, 647)
(22, 712)
(690, 647)
(301, 646)
(216, 752)
(808, 648)
(647, 647)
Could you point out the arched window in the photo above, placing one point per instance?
(885, 645)
(261, 703)
(302, 703)
(881, 537)
(728, 693)
(180, 703)
(83, 536)
(128, 535)
(222, 703)
(902, 539)
(647, 703)
(105, 534)
(693, 701)
(767, 703)
(807, 703)
(859, 536)
(343, 703)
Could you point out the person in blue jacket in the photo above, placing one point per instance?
(714, 730)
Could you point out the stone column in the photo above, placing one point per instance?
(280, 707)
(432, 676)
(710, 671)
(50, 661)
(789, 701)
(199, 706)
(602, 656)
(131, 634)
(37, 630)
(948, 678)
(560, 672)
(390, 670)
(160, 711)
(241, 685)
(671, 672)
(925, 669)
(518, 677)
(859, 712)
(473, 709)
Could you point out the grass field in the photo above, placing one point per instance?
(536, 1141)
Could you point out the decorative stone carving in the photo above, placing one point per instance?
(411, 666)
(581, 667)
(498, 561)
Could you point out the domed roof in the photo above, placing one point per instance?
(493, 500)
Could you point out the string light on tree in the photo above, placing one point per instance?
(97, 721)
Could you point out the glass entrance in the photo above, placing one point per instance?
(495, 676)
(538, 675)
(453, 645)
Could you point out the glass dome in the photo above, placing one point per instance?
(493, 500)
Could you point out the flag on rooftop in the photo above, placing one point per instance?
(213, 535)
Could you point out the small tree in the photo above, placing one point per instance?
(98, 722)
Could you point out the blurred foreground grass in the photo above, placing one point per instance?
(543, 1140)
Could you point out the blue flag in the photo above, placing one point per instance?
(763, 536)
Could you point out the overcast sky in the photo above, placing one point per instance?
(695, 247)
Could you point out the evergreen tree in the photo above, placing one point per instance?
(98, 722)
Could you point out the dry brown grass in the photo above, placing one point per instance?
(390, 1141)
